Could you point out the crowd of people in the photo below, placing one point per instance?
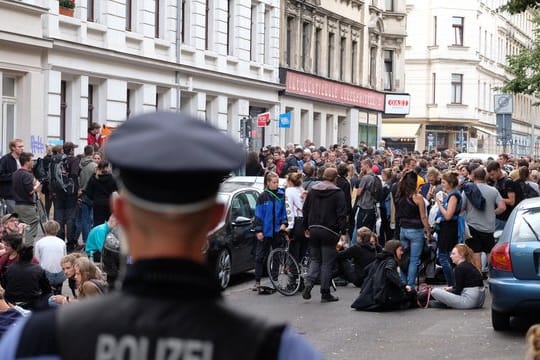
(345, 197)
(363, 215)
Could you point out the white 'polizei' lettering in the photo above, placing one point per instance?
(129, 347)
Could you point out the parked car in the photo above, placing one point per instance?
(514, 276)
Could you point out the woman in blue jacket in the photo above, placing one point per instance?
(270, 219)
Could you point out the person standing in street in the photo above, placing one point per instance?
(365, 202)
(325, 221)
(270, 219)
(23, 188)
(9, 163)
(87, 170)
(170, 302)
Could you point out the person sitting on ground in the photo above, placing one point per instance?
(362, 254)
(49, 250)
(468, 291)
(68, 267)
(26, 283)
(96, 238)
(12, 244)
(9, 313)
(382, 289)
(89, 279)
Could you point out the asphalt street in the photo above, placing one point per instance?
(340, 332)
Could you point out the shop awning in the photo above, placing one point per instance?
(485, 131)
(399, 130)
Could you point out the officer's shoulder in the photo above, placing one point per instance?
(38, 336)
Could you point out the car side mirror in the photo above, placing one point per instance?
(241, 221)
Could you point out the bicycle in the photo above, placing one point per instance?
(41, 213)
(283, 271)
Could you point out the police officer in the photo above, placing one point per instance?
(168, 168)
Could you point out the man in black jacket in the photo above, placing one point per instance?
(9, 163)
(325, 218)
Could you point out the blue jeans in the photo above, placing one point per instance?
(499, 224)
(86, 220)
(444, 260)
(413, 239)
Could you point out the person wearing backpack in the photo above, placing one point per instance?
(64, 183)
(369, 187)
(87, 170)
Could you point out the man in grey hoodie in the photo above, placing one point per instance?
(88, 169)
(325, 218)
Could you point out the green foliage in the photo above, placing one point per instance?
(517, 6)
(70, 4)
(525, 67)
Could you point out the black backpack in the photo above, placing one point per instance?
(40, 171)
(376, 190)
(527, 190)
(59, 175)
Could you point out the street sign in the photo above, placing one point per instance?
(503, 104)
(285, 120)
(263, 119)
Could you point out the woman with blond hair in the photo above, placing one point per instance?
(89, 279)
(468, 291)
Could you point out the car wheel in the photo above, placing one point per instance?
(223, 268)
(499, 320)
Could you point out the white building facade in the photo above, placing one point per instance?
(455, 57)
(216, 59)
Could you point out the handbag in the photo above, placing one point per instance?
(423, 295)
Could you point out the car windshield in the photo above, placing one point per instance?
(527, 226)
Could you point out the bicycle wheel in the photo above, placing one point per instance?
(42, 214)
(283, 271)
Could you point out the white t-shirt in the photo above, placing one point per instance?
(50, 250)
(294, 203)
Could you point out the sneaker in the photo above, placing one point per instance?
(306, 293)
(328, 298)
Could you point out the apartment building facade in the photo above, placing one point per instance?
(455, 63)
(338, 60)
(216, 59)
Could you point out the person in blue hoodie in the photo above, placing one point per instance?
(270, 220)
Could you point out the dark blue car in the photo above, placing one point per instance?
(514, 277)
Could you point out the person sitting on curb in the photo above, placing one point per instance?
(468, 291)
(362, 254)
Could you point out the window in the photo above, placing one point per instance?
(290, 32)
(343, 58)
(267, 32)
(434, 31)
(372, 66)
(185, 22)
(457, 88)
(128, 103)
(63, 107)
(207, 22)
(306, 45)
(7, 116)
(90, 105)
(128, 15)
(253, 34)
(354, 61)
(433, 87)
(156, 19)
(389, 5)
(318, 34)
(90, 16)
(388, 69)
(457, 25)
(230, 26)
(331, 49)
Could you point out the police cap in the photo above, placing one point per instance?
(171, 162)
